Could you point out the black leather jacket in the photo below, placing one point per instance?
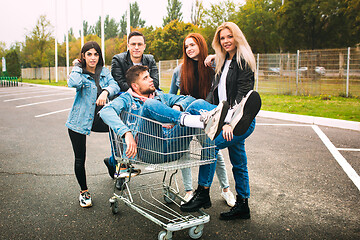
(238, 83)
(122, 62)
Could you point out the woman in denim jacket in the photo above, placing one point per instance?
(196, 83)
(94, 84)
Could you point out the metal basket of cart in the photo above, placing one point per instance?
(161, 149)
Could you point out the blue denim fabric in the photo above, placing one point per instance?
(126, 102)
(175, 81)
(236, 148)
(82, 112)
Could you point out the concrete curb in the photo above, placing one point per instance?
(47, 86)
(329, 122)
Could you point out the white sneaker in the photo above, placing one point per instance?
(187, 197)
(85, 199)
(214, 120)
(245, 112)
(229, 197)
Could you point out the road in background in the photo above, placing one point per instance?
(299, 190)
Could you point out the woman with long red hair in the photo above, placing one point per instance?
(193, 78)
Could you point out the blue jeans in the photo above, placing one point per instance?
(236, 148)
(220, 170)
(160, 112)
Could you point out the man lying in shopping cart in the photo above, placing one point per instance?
(143, 99)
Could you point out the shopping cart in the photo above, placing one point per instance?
(161, 149)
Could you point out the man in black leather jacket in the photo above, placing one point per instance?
(134, 56)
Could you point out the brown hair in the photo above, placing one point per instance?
(87, 46)
(133, 73)
(187, 80)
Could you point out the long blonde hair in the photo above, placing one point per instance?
(243, 49)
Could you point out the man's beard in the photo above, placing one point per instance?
(148, 91)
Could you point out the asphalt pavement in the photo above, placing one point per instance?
(304, 179)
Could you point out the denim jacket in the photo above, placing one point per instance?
(175, 81)
(82, 112)
(126, 102)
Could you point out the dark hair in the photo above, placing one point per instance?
(133, 73)
(136, 33)
(87, 46)
(188, 80)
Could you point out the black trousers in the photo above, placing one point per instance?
(79, 146)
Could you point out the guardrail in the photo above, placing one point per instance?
(9, 82)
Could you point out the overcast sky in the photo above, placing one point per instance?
(19, 17)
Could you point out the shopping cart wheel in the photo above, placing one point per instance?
(196, 232)
(115, 207)
(163, 235)
(169, 197)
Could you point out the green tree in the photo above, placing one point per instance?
(257, 20)
(319, 24)
(38, 46)
(13, 64)
(197, 12)
(173, 12)
(111, 27)
(218, 13)
(135, 20)
(167, 43)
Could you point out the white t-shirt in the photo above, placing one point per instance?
(222, 83)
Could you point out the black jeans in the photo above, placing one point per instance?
(79, 146)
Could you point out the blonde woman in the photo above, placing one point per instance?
(233, 83)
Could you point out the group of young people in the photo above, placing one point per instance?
(217, 97)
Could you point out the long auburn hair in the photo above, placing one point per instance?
(187, 80)
(243, 49)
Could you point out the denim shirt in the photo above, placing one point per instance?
(126, 102)
(175, 81)
(82, 112)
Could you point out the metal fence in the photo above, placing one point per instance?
(313, 72)
(333, 72)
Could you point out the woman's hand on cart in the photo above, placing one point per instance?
(131, 149)
(101, 100)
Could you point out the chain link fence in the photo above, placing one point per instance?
(333, 72)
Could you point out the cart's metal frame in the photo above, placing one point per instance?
(167, 151)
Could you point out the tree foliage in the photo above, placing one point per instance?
(257, 20)
(38, 44)
(135, 20)
(267, 25)
(173, 12)
(13, 64)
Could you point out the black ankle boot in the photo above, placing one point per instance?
(201, 199)
(240, 210)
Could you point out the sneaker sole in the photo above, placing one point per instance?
(205, 206)
(223, 113)
(242, 121)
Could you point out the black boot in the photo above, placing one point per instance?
(240, 210)
(201, 199)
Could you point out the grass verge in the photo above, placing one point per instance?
(318, 106)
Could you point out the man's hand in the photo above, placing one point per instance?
(227, 132)
(176, 107)
(101, 101)
(131, 149)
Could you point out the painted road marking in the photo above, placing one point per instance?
(338, 157)
(50, 113)
(23, 98)
(349, 149)
(55, 100)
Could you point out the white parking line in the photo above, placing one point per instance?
(338, 157)
(19, 93)
(23, 98)
(349, 149)
(55, 100)
(50, 113)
